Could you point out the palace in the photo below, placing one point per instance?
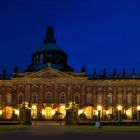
(49, 84)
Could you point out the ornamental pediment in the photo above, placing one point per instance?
(49, 72)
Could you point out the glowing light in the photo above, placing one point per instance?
(99, 108)
(138, 108)
(0, 112)
(80, 111)
(63, 107)
(33, 106)
(119, 107)
(17, 112)
(107, 112)
(43, 112)
(53, 111)
(96, 112)
(129, 112)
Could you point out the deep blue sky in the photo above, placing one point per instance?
(95, 33)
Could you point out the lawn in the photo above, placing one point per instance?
(10, 127)
(108, 128)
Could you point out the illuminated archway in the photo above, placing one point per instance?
(7, 111)
(48, 113)
(89, 112)
(129, 113)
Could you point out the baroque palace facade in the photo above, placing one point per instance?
(49, 85)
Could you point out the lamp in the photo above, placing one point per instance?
(99, 107)
(0, 112)
(138, 108)
(43, 112)
(138, 113)
(62, 107)
(80, 111)
(107, 112)
(119, 107)
(17, 112)
(33, 106)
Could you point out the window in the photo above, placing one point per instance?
(109, 99)
(62, 98)
(99, 99)
(0, 99)
(8, 98)
(138, 99)
(77, 99)
(20, 99)
(89, 98)
(129, 99)
(48, 98)
(34, 98)
(119, 99)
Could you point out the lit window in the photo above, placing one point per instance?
(48, 98)
(119, 99)
(129, 99)
(62, 98)
(109, 99)
(138, 99)
(77, 99)
(0, 99)
(99, 99)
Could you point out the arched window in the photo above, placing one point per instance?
(8, 98)
(129, 99)
(109, 99)
(0, 99)
(34, 98)
(62, 98)
(48, 98)
(119, 98)
(20, 98)
(89, 98)
(99, 99)
(138, 99)
(77, 98)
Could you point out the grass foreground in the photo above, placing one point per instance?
(11, 127)
(108, 128)
(81, 127)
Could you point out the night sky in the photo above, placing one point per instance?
(95, 33)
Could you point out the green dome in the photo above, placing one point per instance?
(49, 47)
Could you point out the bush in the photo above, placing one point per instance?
(82, 116)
